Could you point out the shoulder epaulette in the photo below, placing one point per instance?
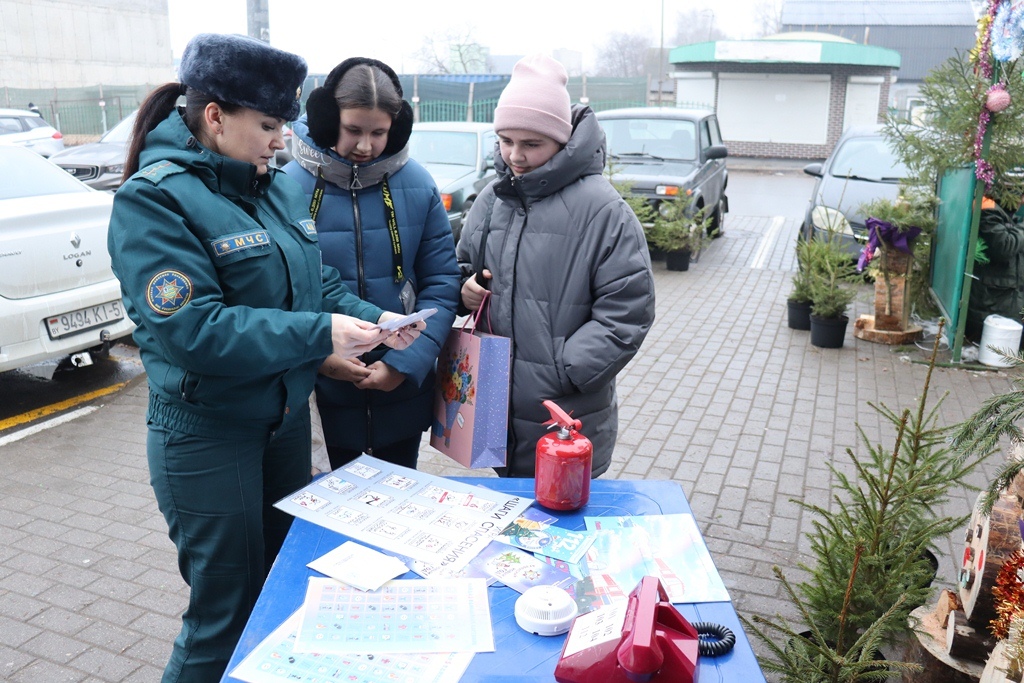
(158, 171)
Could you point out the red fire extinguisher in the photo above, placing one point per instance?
(563, 463)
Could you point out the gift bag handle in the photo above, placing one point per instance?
(475, 316)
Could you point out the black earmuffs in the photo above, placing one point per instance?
(324, 117)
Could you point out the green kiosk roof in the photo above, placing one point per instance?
(779, 50)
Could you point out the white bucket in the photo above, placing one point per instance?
(1002, 333)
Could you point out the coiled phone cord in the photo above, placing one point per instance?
(713, 639)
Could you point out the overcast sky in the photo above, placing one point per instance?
(327, 31)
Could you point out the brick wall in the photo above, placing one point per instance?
(840, 74)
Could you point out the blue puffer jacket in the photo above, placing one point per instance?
(353, 229)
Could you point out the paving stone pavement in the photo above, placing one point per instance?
(723, 398)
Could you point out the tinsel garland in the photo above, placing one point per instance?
(1015, 648)
(1008, 595)
(983, 170)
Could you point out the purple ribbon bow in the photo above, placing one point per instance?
(883, 231)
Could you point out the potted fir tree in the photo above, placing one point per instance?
(798, 303)
(831, 273)
(869, 546)
(680, 231)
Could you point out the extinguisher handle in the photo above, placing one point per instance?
(560, 417)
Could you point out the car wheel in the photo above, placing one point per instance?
(716, 227)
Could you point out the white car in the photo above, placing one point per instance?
(58, 295)
(28, 129)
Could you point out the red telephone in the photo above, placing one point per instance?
(657, 644)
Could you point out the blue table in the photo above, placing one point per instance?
(519, 657)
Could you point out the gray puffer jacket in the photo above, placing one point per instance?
(572, 287)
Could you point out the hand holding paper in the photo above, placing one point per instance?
(404, 329)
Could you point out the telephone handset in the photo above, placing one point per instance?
(646, 640)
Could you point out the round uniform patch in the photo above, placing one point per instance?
(168, 291)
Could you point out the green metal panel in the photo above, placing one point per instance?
(953, 251)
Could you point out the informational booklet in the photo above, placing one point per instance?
(421, 615)
(405, 511)
(275, 660)
(358, 566)
(550, 541)
(520, 570)
(667, 546)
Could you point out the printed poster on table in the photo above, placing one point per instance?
(667, 546)
(404, 511)
(446, 615)
(274, 660)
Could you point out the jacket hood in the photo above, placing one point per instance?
(172, 141)
(338, 171)
(583, 155)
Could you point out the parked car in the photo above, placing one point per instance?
(99, 164)
(29, 129)
(460, 157)
(661, 153)
(861, 168)
(58, 295)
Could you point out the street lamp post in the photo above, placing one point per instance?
(661, 55)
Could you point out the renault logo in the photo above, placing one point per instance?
(76, 241)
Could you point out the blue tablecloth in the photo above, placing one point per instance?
(519, 657)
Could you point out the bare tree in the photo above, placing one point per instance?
(768, 14)
(454, 51)
(622, 55)
(696, 26)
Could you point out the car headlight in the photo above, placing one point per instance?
(831, 220)
(116, 168)
(666, 190)
(665, 209)
(446, 199)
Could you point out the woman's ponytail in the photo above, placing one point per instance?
(154, 109)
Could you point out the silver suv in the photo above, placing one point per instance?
(28, 129)
(662, 153)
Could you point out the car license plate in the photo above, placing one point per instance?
(84, 319)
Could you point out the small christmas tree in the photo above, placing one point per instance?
(870, 569)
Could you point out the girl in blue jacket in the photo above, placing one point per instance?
(382, 224)
(220, 271)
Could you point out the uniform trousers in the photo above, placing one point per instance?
(217, 496)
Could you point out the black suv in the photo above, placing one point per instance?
(663, 153)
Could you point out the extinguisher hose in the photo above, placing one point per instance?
(713, 639)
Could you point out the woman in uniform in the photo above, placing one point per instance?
(221, 272)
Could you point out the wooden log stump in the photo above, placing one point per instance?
(963, 641)
(927, 647)
(865, 327)
(988, 542)
(996, 666)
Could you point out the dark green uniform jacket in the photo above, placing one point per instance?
(999, 284)
(221, 271)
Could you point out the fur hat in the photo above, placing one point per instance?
(244, 71)
(324, 117)
(536, 100)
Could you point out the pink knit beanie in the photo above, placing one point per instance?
(536, 100)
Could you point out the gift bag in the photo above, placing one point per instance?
(471, 396)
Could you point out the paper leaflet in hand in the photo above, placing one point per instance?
(411, 319)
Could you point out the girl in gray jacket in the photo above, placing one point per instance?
(565, 261)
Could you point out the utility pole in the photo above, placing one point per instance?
(258, 19)
(661, 55)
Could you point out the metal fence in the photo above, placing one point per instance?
(87, 113)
